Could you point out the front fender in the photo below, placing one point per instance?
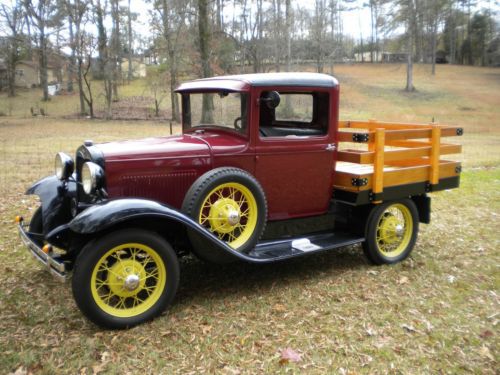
(105, 215)
(55, 196)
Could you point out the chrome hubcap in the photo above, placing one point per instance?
(131, 282)
(233, 217)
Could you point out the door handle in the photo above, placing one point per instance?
(330, 147)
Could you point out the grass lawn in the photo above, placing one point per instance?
(436, 312)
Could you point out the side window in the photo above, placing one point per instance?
(298, 114)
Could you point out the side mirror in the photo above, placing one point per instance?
(271, 99)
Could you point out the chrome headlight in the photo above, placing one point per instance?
(64, 166)
(92, 177)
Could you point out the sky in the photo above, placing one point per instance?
(353, 21)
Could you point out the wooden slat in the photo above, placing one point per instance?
(355, 156)
(367, 157)
(407, 134)
(373, 124)
(446, 148)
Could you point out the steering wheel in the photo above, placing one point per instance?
(238, 124)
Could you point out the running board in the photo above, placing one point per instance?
(270, 251)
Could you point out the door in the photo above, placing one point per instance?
(294, 153)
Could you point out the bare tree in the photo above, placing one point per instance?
(76, 10)
(13, 18)
(102, 38)
(172, 21)
(204, 46)
(318, 29)
(44, 15)
(288, 31)
(115, 47)
(129, 40)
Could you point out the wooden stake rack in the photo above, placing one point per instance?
(395, 157)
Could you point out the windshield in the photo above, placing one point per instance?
(227, 110)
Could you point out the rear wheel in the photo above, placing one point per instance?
(125, 278)
(391, 232)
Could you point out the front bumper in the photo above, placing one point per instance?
(54, 265)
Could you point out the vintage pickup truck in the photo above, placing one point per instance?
(257, 175)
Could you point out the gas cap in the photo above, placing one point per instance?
(88, 142)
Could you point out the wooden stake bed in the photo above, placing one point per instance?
(399, 159)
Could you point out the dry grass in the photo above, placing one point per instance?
(436, 312)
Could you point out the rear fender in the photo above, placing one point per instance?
(105, 216)
(55, 197)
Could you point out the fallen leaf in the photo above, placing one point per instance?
(403, 280)
(313, 313)
(289, 355)
(486, 334)
(279, 307)
(485, 352)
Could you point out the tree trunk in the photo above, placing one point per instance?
(409, 65)
(434, 42)
(288, 41)
(277, 33)
(79, 72)
(174, 99)
(204, 45)
(101, 40)
(72, 59)
(11, 75)
(43, 65)
(129, 76)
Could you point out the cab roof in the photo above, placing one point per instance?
(243, 82)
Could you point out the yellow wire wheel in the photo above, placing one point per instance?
(125, 278)
(230, 212)
(230, 204)
(128, 280)
(391, 231)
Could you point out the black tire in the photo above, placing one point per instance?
(36, 225)
(243, 232)
(148, 268)
(391, 232)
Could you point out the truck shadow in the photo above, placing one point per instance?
(201, 281)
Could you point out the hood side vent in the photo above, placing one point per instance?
(169, 188)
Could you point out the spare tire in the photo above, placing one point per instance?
(231, 204)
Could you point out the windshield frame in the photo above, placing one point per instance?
(186, 112)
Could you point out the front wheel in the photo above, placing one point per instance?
(391, 232)
(125, 278)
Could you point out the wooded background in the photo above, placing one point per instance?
(199, 38)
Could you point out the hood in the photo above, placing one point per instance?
(154, 148)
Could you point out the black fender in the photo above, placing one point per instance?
(55, 197)
(108, 214)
